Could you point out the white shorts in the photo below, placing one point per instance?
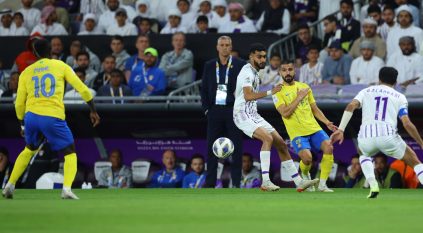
(391, 145)
(249, 123)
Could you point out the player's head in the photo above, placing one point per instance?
(169, 159)
(388, 75)
(247, 162)
(258, 56)
(197, 163)
(41, 48)
(287, 71)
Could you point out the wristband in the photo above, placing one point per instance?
(346, 117)
(269, 93)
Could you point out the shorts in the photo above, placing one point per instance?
(248, 123)
(312, 141)
(55, 130)
(391, 145)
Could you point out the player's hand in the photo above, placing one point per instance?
(150, 87)
(302, 93)
(331, 126)
(276, 88)
(338, 135)
(95, 118)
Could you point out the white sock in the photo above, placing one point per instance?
(322, 183)
(418, 169)
(292, 171)
(66, 189)
(368, 170)
(265, 164)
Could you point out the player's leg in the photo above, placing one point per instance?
(267, 140)
(320, 142)
(368, 147)
(305, 166)
(70, 167)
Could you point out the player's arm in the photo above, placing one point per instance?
(411, 129)
(338, 135)
(321, 117)
(250, 95)
(286, 110)
(20, 102)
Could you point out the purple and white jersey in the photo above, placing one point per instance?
(247, 77)
(381, 107)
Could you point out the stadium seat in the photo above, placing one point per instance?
(50, 180)
(142, 171)
(348, 92)
(100, 166)
(325, 93)
(257, 165)
(414, 93)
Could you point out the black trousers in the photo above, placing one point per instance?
(220, 123)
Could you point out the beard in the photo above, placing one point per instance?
(260, 66)
(288, 78)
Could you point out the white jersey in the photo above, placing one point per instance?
(247, 77)
(381, 106)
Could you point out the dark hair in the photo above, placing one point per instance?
(250, 156)
(257, 47)
(388, 7)
(388, 75)
(18, 13)
(144, 19)
(275, 55)
(41, 48)
(380, 155)
(303, 26)
(188, 2)
(287, 61)
(373, 8)
(5, 151)
(356, 156)
(83, 53)
(348, 2)
(118, 151)
(117, 37)
(313, 47)
(331, 18)
(117, 71)
(109, 56)
(143, 35)
(202, 18)
(14, 73)
(80, 70)
(197, 156)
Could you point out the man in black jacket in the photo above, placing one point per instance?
(217, 98)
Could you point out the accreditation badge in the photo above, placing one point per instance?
(221, 94)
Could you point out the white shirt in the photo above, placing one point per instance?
(247, 77)
(188, 19)
(128, 29)
(19, 31)
(6, 31)
(96, 7)
(31, 16)
(408, 67)
(108, 17)
(381, 106)
(392, 43)
(160, 8)
(76, 97)
(269, 78)
(95, 31)
(311, 75)
(384, 30)
(54, 29)
(243, 27)
(168, 30)
(286, 22)
(365, 72)
(218, 21)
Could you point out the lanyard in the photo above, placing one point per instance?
(112, 93)
(198, 181)
(161, 178)
(144, 72)
(227, 71)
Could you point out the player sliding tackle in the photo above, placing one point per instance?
(381, 105)
(248, 120)
(296, 104)
(39, 108)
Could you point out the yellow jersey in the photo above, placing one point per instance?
(302, 121)
(41, 88)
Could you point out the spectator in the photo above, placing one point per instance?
(115, 87)
(197, 177)
(407, 62)
(152, 80)
(90, 25)
(96, 7)
(31, 15)
(332, 31)
(49, 25)
(83, 62)
(12, 85)
(355, 177)
(238, 21)
(369, 29)
(73, 96)
(135, 63)
(103, 78)
(121, 175)
(57, 49)
(269, 76)
(107, 18)
(18, 25)
(336, 67)
(365, 69)
(305, 41)
(187, 15)
(328, 7)
(375, 12)
(275, 19)
(205, 9)
(386, 177)
(414, 11)
(364, 11)
(145, 26)
(405, 28)
(3, 79)
(305, 12)
(202, 25)
(177, 64)
(220, 15)
(311, 72)
(388, 17)
(74, 49)
(142, 7)
(62, 13)
(6, 23)
(174, 23)
(251, 176)
(26, 58)
(122, 27)
(4, 163)
(160, 9)
(350, 27)
(169, 177)
(119, 52)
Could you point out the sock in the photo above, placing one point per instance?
(419, 172)
(369, 171)
(325, 168)
(292, 171)
(21, 164)
(305, 169)
(70, 168)
(265, 164)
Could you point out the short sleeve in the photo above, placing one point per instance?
(246, 80)
(310, 96)
(278, 99)
(359, 97)
(403, 107)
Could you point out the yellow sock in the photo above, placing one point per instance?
(70, 168)
(326, 166)
(20, 165)
(305, 169)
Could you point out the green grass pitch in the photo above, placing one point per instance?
(212, 210)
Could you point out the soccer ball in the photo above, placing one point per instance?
(223, 147)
